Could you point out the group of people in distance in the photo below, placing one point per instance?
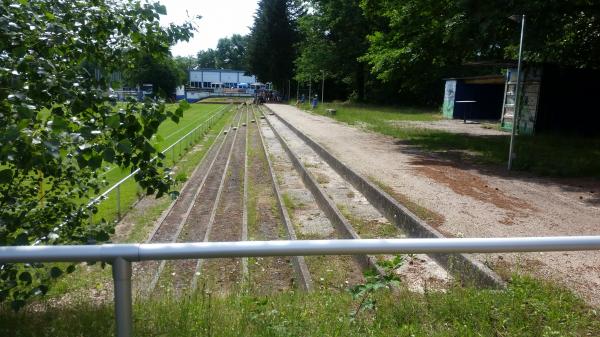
(313, 103)
(267, 96)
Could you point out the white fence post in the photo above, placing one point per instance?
(118, 193)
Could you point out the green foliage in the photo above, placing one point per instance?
(418, 43)
(184, 64)
(207, 58)
(271, 51)
(231, 52)
(333, 37)
(397, 51)
(164, 73)
(59, 125)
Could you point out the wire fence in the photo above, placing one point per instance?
(126, 192)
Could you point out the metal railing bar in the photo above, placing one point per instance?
(121, 255)
(204, 250)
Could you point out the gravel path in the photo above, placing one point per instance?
(476, 201)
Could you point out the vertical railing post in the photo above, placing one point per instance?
(121, 269)
(118, 192)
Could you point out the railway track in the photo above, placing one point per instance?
(261, 181)
(196, 224)
(169, 226)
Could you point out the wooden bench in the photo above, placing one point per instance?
(331, 111)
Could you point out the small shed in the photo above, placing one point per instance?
(554, 99)
(487, 92)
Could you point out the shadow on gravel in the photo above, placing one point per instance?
(571, 163)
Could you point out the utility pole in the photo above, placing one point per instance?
(517, 100)
(323, 87)
(297, 90)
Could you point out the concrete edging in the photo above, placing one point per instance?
(298, 262)
(469, 269)
(326, 204)
(245, 273)
(215, 207)
(186, 215)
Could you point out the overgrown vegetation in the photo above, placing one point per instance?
(369, 229)
(525, 308)
(364, 293)
(59, 57)
(95, 277)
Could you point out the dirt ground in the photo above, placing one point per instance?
(477, 201)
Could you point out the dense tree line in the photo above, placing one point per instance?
(400, 50)
(272, 41)
(164, 73)
(229, 54)
(417, 43)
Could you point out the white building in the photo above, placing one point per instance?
(219, 78)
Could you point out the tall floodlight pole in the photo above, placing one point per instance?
(297, 90)
(517, 100)
(323, 87)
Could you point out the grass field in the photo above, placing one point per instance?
(544, 154)
(353, 113)
(169, 132)
(525, 308)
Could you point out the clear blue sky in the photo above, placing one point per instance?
(220, 18)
